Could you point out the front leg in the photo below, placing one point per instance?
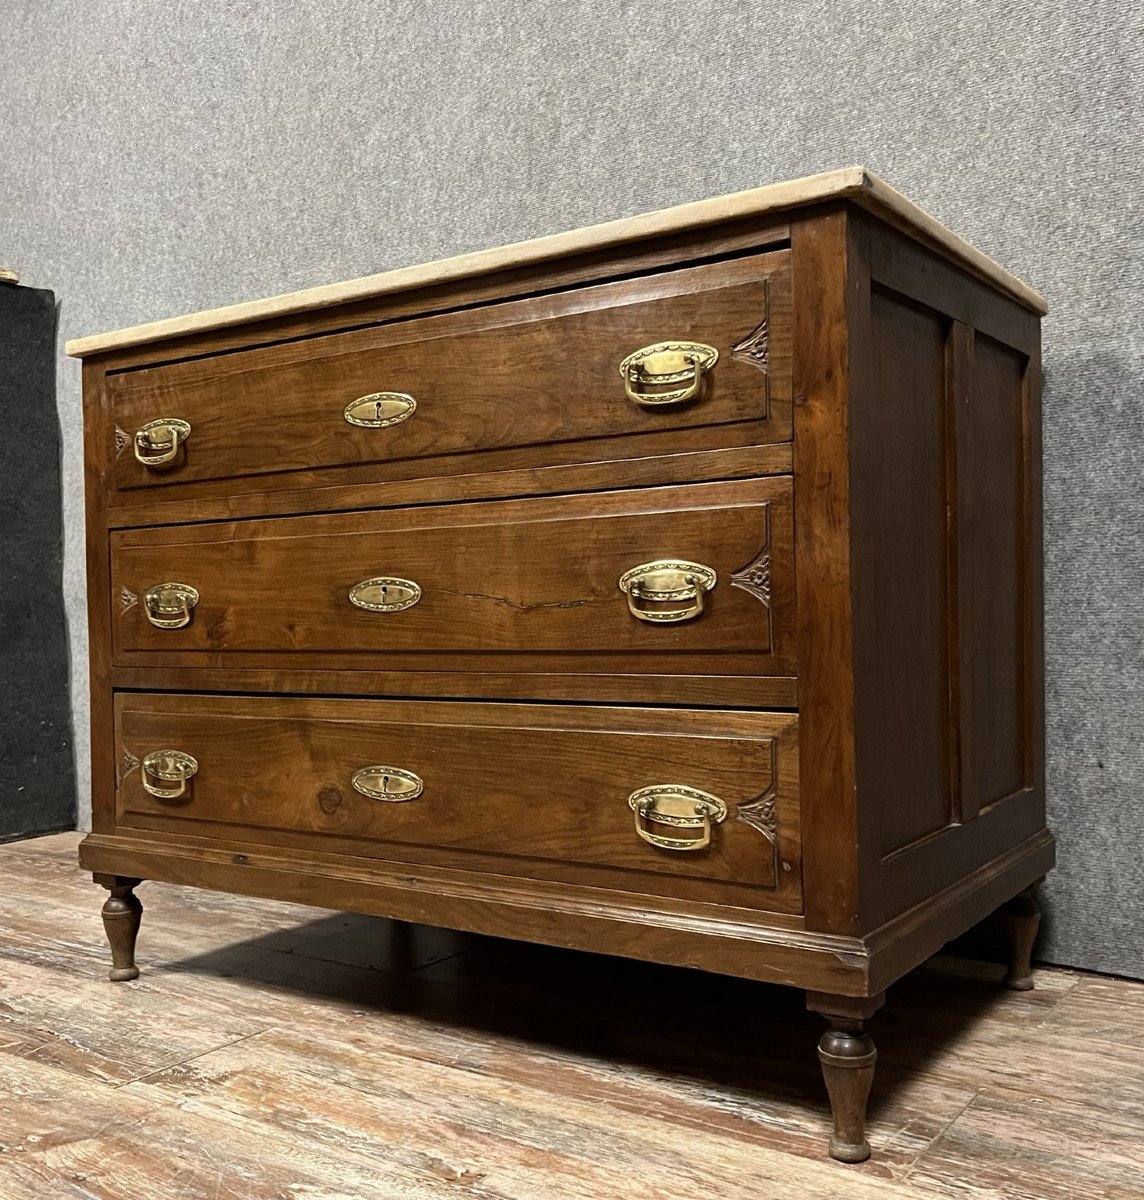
(847, 1054)
(122, 913)
(1021, 918)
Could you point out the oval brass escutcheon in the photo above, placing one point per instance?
(380, 409)
(169, 767)
(168, 605)
(667, 581)
(387, 783)
(385, 593)
(679, 807)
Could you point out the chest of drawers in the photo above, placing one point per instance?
(668, 589)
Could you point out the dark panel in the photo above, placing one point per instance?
(37, 779)
(900, 572)
(991, 551)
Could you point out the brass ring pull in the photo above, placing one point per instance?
(664, 364)
(157, 443)
(168, 605)
(170, 767)
(665, 581)
(679, 807)
(379, 410)
(388, 783)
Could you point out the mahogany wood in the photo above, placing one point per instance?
(871, 504)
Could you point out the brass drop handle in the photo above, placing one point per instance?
(678, 807)
(379, 410)
(663, 364)
(173, 768)
(168, 605)
(157, 443)
(666, 581)
(388, 783)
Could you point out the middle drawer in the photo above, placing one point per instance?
(695, 579)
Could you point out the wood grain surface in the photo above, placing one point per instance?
(522, 783)
(525, 373)
(276, 1052)
(503, 585)
(875, 380)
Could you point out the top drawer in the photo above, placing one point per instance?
(540, 371)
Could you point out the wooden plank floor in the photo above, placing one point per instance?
(274, 1052)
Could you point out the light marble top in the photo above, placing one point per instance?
(854, 183)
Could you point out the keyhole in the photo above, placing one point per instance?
(377, 410)
(385, 783)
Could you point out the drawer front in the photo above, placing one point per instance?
(508, 585)
(523, 373)
(539, 791)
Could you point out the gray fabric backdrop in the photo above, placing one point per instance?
(158, 157)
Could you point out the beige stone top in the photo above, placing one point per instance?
(854, 183)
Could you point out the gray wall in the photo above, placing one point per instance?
(161, 157)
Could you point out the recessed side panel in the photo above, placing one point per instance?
(947, 597)
(901, 572)
(993, 556)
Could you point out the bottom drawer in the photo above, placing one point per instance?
(694, 804)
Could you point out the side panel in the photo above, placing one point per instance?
(946, 545)
(992, 488)
(102, 730)
(899, 539)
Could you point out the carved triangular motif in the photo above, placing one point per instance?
(760, 815)
(122, 440)
(755, 578)
(127, 764)
(755, 348)
(127, 600)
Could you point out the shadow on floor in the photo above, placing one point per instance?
(737, 1035)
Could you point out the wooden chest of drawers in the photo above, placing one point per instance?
(669, 589)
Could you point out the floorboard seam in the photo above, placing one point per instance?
(905, 1177)
(194, 1057)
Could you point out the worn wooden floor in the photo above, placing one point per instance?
(274, 1051)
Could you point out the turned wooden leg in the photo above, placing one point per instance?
(1021, 918)
(847, 1054)
(122, 913)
